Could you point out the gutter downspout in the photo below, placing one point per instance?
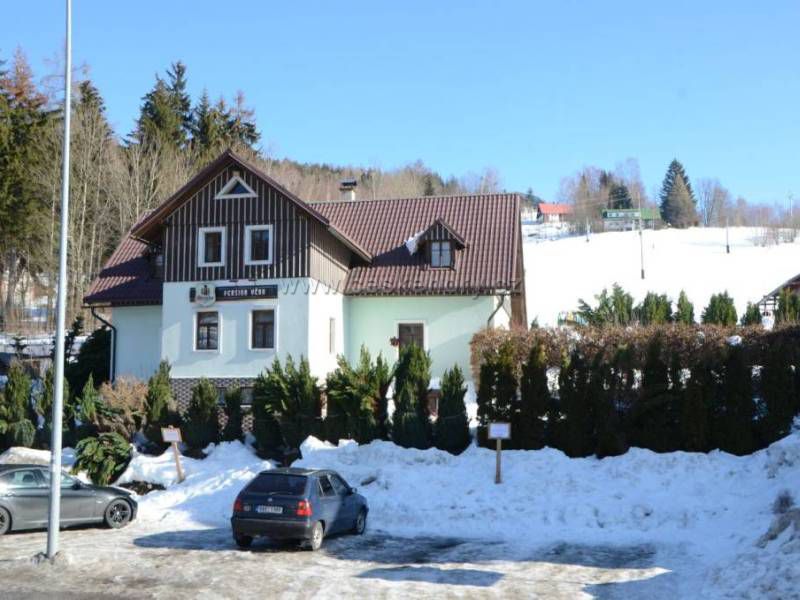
(113, 352)
(503, 296)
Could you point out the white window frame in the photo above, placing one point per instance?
(195, 318)
(450, 254)
(411, 322)
(274, 309)
(248, 260)
(201, 246)
(224, 193)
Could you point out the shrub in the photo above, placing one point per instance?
(788, 310)
(732, 414)
(778, 392)
(201, 426)
(497, 391)
(104, 457)
(123, 407)
(616, 309)
(21, 433)
(720, 311)
(451, 431)
(233, 415)
(684, 310)
(289, 398)
(577, 432)
(408, 428)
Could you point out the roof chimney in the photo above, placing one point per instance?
(347, 187)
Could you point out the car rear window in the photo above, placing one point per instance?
(275, 483)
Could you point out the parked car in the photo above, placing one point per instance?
(25, 500)
(297, 504)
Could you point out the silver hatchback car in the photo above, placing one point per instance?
(25, 496)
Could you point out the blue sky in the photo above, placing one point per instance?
(535, 90)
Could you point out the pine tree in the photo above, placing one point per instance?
(684, 312)
(166, 115)
(15, 408)
(411, 419)
(720, 311)
(619, 197)
(678, 204)
(160, 406)
(451, 432)
(535, 400)
(788, 310)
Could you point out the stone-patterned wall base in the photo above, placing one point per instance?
(182, 392)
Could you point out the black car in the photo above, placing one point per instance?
(25, 500)
(297, 504)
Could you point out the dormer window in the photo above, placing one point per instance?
(441, 254)
(235, 188)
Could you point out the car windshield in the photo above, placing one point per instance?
(277, 483)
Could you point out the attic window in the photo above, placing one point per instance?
(235, 188)
(441, 254)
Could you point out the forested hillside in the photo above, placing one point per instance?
(118, 175)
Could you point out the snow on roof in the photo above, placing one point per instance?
(412, 243)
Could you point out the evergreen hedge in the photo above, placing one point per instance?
(666, 388)
(201, 425)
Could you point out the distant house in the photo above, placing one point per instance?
(553, 213)
(769, 303)
(627, 219)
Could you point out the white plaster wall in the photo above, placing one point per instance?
(324, 303)
(502, 318)
(234, 358)
(138, 340)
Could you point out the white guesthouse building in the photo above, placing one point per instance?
(234, 270)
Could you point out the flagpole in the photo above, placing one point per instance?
(58, 392)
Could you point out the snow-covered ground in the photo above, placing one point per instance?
(559, 272)
(702, 514)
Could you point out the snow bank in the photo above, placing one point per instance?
(690, 259)
(206, 496)
(28, 456)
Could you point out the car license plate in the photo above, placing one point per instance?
(272, 510)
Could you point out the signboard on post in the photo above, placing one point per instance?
(172, 436)
(499, 432)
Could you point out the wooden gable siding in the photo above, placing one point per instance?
(270, 207)
(435, 233)
(329, 259)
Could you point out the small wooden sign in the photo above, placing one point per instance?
(499, 432)
(172, 435)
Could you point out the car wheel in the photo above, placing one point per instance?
(317, 534)
(360, 525)
(5, 521)
(243, 541)
(118, 514)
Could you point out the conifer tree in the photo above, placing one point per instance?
(779, 393)
(678, 204)
(451, 432)
(411, 426)
(702, 392)
(751, 316)
(655, 309)
(788, 310)
(720, 311)
(160, 405)
(576, 408)
(619, 197)
(201, 426)
(733, 417)
(233, 415)
(608, 434)
(684, 310)
(653, 415)
(15, 408)
(535, 400)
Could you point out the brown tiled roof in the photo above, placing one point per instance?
(126, 279)
(488, 224)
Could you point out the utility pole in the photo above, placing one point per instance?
(587, 229)
(54, 520)
(727, 238)
(641, 237)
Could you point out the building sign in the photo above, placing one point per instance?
(204, 292)
(499, 431)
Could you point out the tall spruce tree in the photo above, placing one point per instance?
(655, 309)
(684, 310)
(619, 197)
(451, 432)
(678, 204)
(411, 425)
(720, 311)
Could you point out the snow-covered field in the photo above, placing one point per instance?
(703, 514)
(559, 272)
